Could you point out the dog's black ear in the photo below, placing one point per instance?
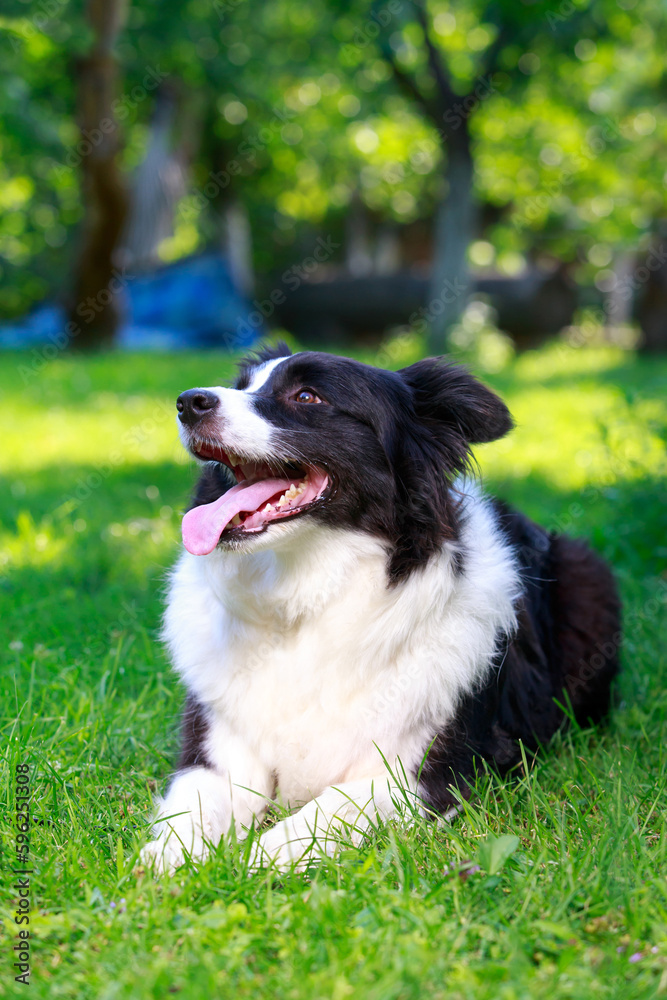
(447, 394)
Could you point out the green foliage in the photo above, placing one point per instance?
(39, 199)
(576, 159)
(94, 480)
(294, 107)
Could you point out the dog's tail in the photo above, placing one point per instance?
(588, 626)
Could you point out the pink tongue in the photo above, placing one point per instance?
(202, 526)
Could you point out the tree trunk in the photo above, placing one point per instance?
(618, 303)
(94, 310)
(237, 245)
(358, 257)
(157, 186)
(387, 257)
(454, 229)
(649, 279)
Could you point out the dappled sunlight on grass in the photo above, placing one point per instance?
(74, 377)
(559, 358)
(586, 434)
(104, 410)
(109, 432)
(94, 485)
(32, 544)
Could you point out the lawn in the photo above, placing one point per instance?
(93, 482)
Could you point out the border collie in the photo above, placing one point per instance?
(356, 624)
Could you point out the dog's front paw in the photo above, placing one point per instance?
(165, 855)
(162, 856)
(285, 847)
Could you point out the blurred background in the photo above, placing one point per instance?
(476, 176)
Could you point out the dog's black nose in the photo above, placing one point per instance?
(195, 404)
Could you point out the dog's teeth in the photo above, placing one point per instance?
(291, 494)
(236, 520)
(269, 507)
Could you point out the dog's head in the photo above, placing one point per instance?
(313, 437)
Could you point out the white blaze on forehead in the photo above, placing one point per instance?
(240, 427)
(263, 373)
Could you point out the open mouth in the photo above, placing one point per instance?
(264, 493)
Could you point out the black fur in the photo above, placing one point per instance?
(393, 444)
(194, 729)
(564, 655)
(396, 440)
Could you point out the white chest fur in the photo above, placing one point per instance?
(304, 655)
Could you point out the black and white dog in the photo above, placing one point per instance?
(353, 620)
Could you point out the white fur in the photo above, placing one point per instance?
(236, 422)
(340, 814)
(263, 372)
(317, 676)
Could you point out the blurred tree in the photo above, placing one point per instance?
(456, 58)
(155, 188)
(39, 195)
(96, 284)
(290, 112)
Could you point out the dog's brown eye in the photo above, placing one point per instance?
(306, 396)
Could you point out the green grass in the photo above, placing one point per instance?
(92, 482)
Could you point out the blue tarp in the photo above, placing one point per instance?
(192, 303)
